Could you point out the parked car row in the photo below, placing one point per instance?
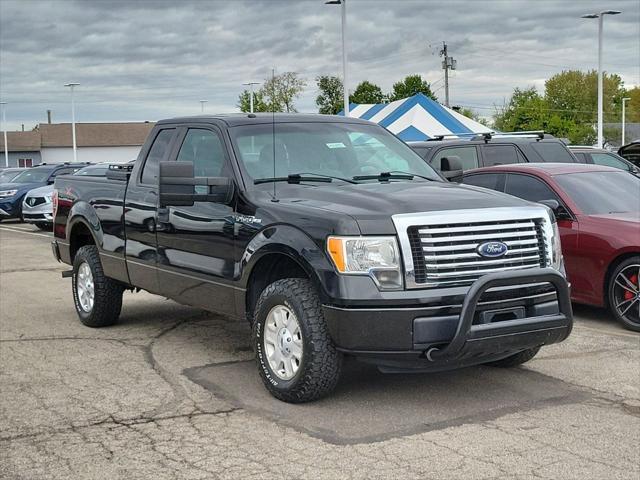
(26, 193)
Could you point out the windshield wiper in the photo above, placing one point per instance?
(393, 175)
(293, 178)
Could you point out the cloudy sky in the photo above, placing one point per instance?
(146, 60)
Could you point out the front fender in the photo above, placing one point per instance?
(290, 241)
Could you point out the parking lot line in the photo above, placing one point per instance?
(21, 230)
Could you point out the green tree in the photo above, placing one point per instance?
(367, 92)
(633, 105)
(574, 94)
(469, 113)
(244, 102)
(329, 100)
(278, 94)
(408, 87)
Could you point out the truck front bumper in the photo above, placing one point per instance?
(477, 331)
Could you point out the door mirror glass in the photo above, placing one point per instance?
(178, 186)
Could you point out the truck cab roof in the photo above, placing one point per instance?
(236, 119)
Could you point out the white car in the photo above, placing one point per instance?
(37, 207)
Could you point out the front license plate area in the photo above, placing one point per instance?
(501, 315)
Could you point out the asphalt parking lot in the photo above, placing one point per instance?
(171, 392)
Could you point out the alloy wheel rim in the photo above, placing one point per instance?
(283, 342)
(626, 293)
(85, 287)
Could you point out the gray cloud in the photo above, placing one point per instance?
(139, 60)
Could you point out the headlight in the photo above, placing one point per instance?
(8, 193)
(378, 257)
(47, 198)
(556, 246)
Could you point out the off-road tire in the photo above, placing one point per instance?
(626, 322)
(107, 292)
(517, 359)
(321, 363)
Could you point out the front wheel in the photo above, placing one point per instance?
(296, 357)
(624, 293)
(97, 298)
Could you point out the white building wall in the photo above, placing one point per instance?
(89, 154)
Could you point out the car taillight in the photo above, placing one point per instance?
(54, 201)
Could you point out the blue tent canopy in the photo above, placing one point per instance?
(417, 118)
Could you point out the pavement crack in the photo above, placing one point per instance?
(110, 420)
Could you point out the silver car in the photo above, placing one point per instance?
(37, 207)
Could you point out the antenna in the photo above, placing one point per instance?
(274, 198)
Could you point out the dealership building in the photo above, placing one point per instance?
(96, 142)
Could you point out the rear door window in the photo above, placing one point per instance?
(582, 157)
(529, 188)
(494, 181)
(500, 155)
(553, 152)
(422, 151)
(468, 157)
(609, 160)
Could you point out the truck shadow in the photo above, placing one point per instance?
(369, 406)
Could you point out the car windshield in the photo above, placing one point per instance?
(32, 176)
(338, 150)
(6, 177)
(598, 193)
(93, 171)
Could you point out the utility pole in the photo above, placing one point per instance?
(250, 85)
(3, 105)
(447, 64)
(72, 85)
(624, 101)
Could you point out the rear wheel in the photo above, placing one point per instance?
(296, 357)
(97, 298)
(517, 359)
(624, 293)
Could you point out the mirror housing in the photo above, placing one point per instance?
(177, 186)
(451, 168)
(559, 211)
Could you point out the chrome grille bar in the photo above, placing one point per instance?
(441, 248)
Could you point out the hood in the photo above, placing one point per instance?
(21, 187)
(371, 205)
(631, 218)
(41, 191)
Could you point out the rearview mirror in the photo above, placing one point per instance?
(451, 168)
(177, 186)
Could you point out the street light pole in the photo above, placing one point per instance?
(202, 102)
(73, 120)
(251, 84)
(600, 17)
(4, 133)
(345, 88)
(624, 101)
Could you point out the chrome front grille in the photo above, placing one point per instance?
(441, 249)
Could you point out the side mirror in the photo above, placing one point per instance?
(558, 210)
(451, 168)
(177, 186)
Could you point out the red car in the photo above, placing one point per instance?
(598, 214)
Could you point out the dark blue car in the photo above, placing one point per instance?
(11, 194)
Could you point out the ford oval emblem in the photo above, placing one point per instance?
(492, 249)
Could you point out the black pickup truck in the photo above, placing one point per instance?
(329, 235)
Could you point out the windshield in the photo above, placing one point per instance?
(598, 193)
(93, 171)
(341, 150)
(6, 177)
(32, 176)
